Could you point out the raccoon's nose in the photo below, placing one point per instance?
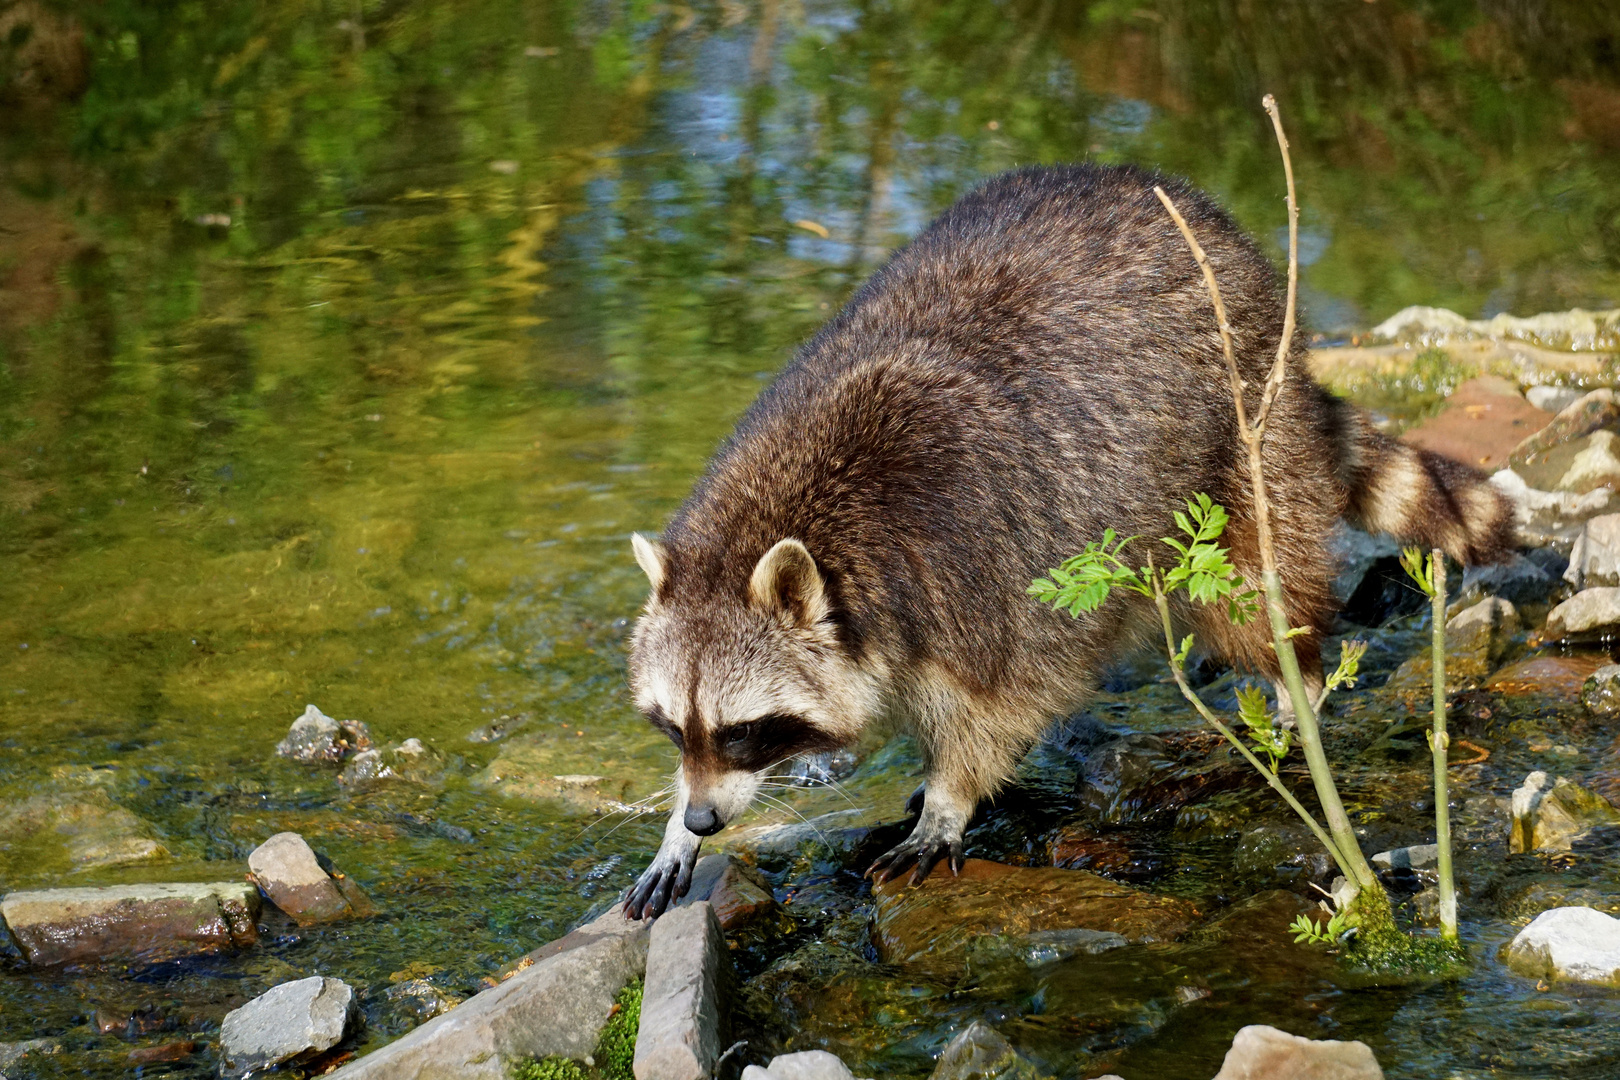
(703, 821)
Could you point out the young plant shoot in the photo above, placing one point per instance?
(1431, 578)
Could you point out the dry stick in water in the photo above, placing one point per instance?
(1439, 743)
(1352, 861)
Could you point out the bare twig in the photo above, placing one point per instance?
(1285, 344)
(1358, 870)
(1214, 290)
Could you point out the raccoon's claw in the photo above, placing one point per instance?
(659, 886)
(919, 853)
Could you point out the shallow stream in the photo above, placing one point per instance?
(342, 346)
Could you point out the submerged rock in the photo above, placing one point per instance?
(934, 924)
(292, 877)
(148, 922)
(420, 1000)
(1601, 692)
(13, 1052)
(1575, 943)
(682, 1007)
(1549, 813)
(805, 1065)
(978, 1052)
(316, 738)
(410, 761)
(84, 829)
(1559, 676)
(1590, 611)
(1265, 1053)
(287, 1024)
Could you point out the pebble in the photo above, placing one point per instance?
(1576, 943)
(1260, 1052)
(1416, 857)
(687, 968)
(149, 922)
(287, 1024)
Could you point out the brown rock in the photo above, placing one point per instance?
(931, 923)
(1113, 855)
(1265, 1053)
(173, 1051)
(1558, 675)
(148, 922)
(290, 875)
(739, 900)
(1481, 425)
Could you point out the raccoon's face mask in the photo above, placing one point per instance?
(742, 685)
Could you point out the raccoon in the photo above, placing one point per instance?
(1040, 364)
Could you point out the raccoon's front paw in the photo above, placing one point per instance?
(659, 886)
(921, 850)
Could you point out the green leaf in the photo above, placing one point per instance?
(1413, 563)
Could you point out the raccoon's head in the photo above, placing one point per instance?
(743, 683)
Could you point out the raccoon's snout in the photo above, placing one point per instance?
(703, 820)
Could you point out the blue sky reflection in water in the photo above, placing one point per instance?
(343, 345)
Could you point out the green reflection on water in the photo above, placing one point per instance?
(342, 345)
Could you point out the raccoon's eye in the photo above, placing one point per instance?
(737, 734)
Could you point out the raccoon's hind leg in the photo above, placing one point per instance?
(937, 834)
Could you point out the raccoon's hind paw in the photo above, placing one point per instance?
(659, 886)
(920, 851)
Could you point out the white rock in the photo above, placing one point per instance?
(1595, 558)
(805, 1065)
(1265, 1053)
(1553, 399)
(1529, 503)
(1587, 610)
(687, 965)
(288, 1023)
(1578, 943)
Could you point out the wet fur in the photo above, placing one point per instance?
(1040, 364)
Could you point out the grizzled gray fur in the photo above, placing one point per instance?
(1040, 364)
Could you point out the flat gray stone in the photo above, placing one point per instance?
(682, 1007)
(1416, 857)
(1595, 558)
(556, 1005)
(1260, 1052)
(78, 926)
(286, 1024)
(1577, 943)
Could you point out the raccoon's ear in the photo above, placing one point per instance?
(786, 580)
(653, 558)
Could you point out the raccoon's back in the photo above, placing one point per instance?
(1039, 364)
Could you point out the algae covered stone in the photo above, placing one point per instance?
(148, 922)
(1548, 813)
